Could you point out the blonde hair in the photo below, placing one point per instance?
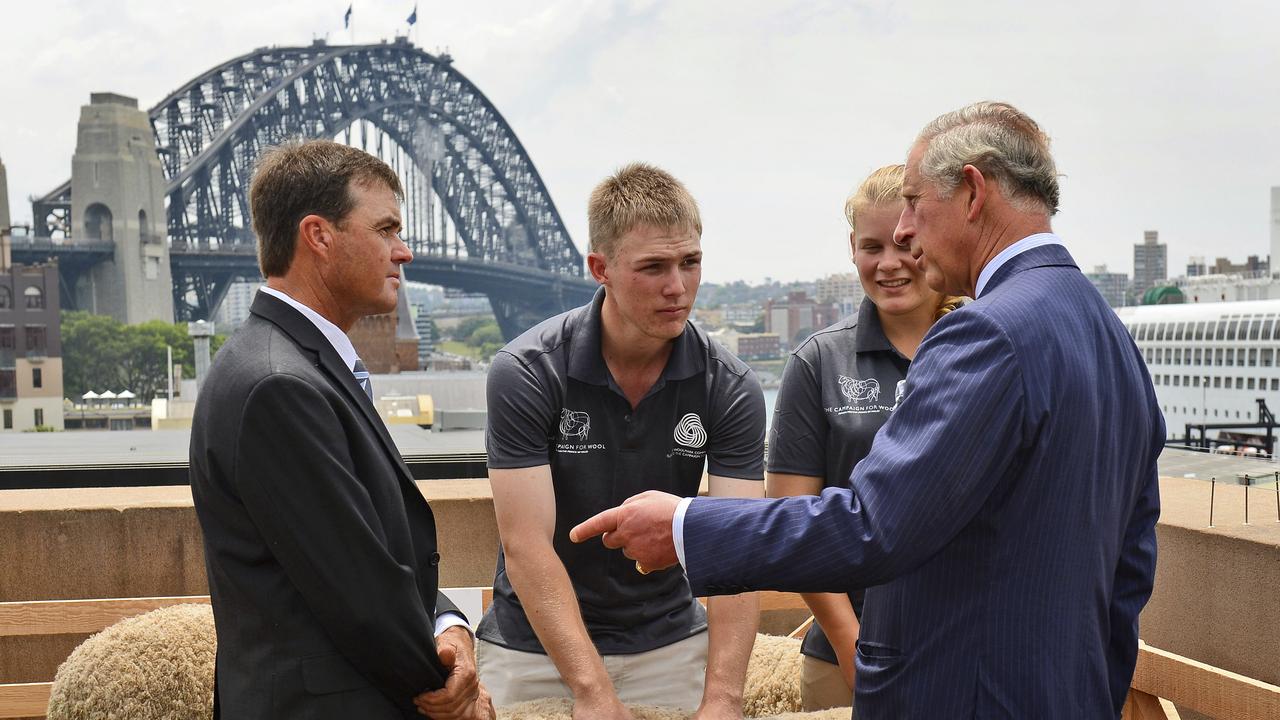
(638, 194)
(882, 187)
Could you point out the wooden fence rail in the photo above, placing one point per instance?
(1160, 680)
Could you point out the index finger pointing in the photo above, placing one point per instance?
(597, 524)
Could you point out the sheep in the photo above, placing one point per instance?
(159, 666)
(156, 666)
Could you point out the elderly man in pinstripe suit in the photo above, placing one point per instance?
(1006, 513)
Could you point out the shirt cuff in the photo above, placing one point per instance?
(677, 530)
(448, 619)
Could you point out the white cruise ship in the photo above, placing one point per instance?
(1210, 362)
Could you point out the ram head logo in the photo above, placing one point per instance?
(855, 389)
(574, 424)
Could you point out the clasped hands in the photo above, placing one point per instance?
(462, 697)
(640, 526)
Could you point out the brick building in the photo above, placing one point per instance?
(30, 344)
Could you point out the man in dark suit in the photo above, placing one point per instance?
(321, 551)
(1006, 512)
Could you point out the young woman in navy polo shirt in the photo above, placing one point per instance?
(837, 390)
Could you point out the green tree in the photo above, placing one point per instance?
(487, 339)
(468, 326)
(100, 353)
(92, 348)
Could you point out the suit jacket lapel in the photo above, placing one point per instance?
(307, 335)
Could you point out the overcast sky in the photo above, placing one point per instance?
(1165, 114)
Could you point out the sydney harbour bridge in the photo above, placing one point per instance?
(477, 215)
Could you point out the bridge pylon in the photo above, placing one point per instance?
(117, 195)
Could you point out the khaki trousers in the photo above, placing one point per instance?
(670, 676)
(822, 685)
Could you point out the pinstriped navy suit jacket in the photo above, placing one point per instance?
(1005, 514)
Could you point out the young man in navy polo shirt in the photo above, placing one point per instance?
(585, 410)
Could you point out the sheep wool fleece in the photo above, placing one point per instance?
(157, 666)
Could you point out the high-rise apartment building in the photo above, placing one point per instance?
(1150, 263)
(234, 309)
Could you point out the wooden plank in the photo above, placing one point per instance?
(24, 699)
(486, 598)
(1141, 706)
(73, 617)
(774, 600)
(804, 628)
(1206, 689)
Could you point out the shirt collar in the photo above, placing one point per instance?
(1027, 243)
(869, 335)
(338, 339)
(586, 361)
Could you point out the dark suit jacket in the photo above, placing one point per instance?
(1006, 513)
(321, 552)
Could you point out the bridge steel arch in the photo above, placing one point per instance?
(508, 239)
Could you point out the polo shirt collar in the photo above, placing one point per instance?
(586, 361)
(869, 334)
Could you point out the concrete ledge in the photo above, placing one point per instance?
(1215, 597)
(145, 541)
(1217, 589)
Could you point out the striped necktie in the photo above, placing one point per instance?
(362, 376)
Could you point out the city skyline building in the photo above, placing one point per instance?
(844, 290)
(1275, 226)
(1150, 263)
(4, 199)
(234, 309)
(1113, 286)
(797, 317)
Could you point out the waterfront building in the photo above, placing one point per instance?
(797, 317)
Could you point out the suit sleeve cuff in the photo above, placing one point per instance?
(446, 620)
(677, 530)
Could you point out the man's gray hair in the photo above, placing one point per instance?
(1002, 142)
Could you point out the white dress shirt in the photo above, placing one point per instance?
(1027, 243)
(342, 344)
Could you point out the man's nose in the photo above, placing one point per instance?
(905, 231)
(675, 283)
(400, 252)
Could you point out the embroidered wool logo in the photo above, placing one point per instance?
(689, 431)
(855, 389)
(574, 424)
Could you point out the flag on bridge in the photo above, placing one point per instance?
(413, 17)
(346, 19)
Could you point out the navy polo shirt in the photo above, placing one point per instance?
(837, 390)
(552, 401)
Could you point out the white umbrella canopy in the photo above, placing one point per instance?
(108, 395)
(126, 395)
(91, 395)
